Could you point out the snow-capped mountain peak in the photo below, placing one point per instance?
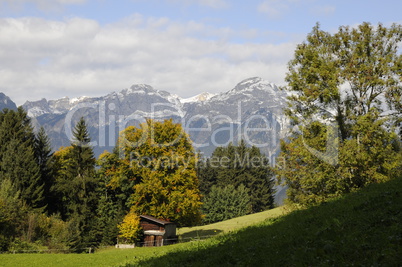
(252, 104)
(198, 98)
(255, 83)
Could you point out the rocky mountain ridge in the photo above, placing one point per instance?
(6, 102)
(252, 110)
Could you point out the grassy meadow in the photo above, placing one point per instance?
(359, 229)
(121, 257)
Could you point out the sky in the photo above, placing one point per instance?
(56, 48)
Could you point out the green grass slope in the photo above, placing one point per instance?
(360, 229)
(196, 232)
(120, 257)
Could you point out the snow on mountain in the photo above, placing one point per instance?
(77, 100)
(210, 119)
(198, 98)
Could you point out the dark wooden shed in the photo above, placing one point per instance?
(157, 232)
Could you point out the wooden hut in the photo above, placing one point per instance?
(157, 232)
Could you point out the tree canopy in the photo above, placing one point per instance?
(159, 158)
(240, 165)
(345, 103)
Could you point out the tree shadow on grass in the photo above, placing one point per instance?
(198, 235)
(362, 228)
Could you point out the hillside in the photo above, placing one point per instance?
(202, 232)
(116, 257)
(362, 229)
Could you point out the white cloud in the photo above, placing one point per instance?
(208, 3)
(211, 3)
(43, 2)
(43, 58)
(323, 10)
(218, 4)
(44, 5)
(273, 8)
(276, 8)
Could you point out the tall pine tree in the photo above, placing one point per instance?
(44, 157)
(76, 185)
(17, 158)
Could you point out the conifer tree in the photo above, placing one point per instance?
(76, 184)
(17, 158)
(240, 165)
(43, 154)
(113, 198)
(224, 203)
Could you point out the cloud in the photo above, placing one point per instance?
(43, 2)
(44, 5)
(216, 4)
(44, 58)
(208, 3)
(323, 10)
(275, 8)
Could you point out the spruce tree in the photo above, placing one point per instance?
(224, 203)
(240, 165)
(113, 199)
(76, 184)
(17, 157)
(44, 157)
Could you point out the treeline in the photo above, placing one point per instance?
(69, 200)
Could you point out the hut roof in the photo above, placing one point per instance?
(155, 220)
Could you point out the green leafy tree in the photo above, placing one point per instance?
(12, 213)
(159, 157)
(240, 165)
(345, 99)
(17, 158)
(223, 203)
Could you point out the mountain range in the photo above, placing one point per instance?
(252, 111)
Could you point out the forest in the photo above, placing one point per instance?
(69, 201)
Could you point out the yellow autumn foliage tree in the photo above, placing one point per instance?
(160, 158)
(130, 228)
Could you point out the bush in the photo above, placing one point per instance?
(130, 228)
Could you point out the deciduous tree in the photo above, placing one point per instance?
(345, 99)
(162, 161)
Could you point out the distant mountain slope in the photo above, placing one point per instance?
(6, 102)
(252, 110)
